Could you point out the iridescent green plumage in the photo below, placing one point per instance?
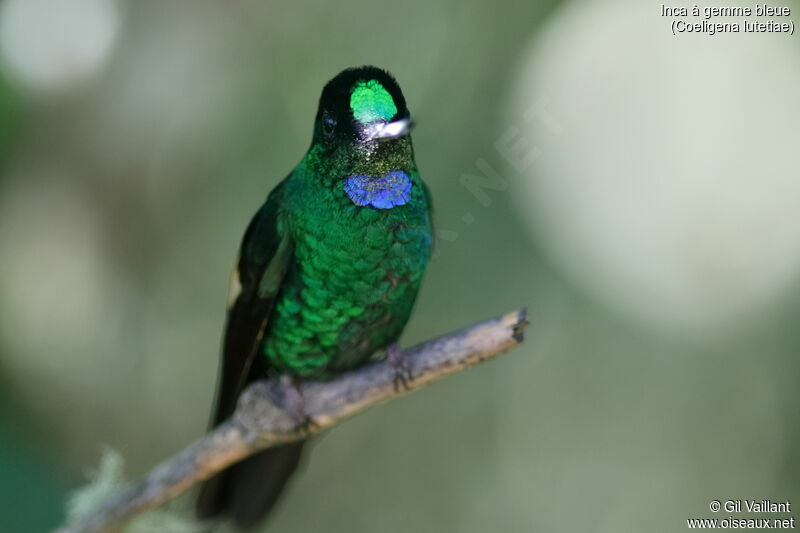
(329, 267)
(356, 271)
(370, 101)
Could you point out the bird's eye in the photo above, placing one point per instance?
(328, 126)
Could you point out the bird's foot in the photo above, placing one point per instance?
(295, 404)
(402, 371)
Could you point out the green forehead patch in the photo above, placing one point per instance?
(370, 101)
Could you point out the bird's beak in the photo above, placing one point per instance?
(389, 130)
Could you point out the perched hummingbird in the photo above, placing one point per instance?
(328, 269)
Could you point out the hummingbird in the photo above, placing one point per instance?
(328, 271)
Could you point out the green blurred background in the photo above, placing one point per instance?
(644, 209)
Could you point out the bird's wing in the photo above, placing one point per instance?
(264, 258)
(249, 489)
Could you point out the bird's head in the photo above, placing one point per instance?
(363, 121)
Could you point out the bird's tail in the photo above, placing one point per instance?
(248, 490)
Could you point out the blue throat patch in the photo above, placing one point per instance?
(381, 193)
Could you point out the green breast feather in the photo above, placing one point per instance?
(353, 281)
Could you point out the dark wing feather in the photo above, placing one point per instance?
(264, 258)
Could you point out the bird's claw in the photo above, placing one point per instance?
(402, 371)
(295, 405)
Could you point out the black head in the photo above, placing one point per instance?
(361, 105)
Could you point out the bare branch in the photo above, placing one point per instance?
(262, 419)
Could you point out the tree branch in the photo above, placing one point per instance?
(262, 418)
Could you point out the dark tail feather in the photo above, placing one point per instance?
(248, 490)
